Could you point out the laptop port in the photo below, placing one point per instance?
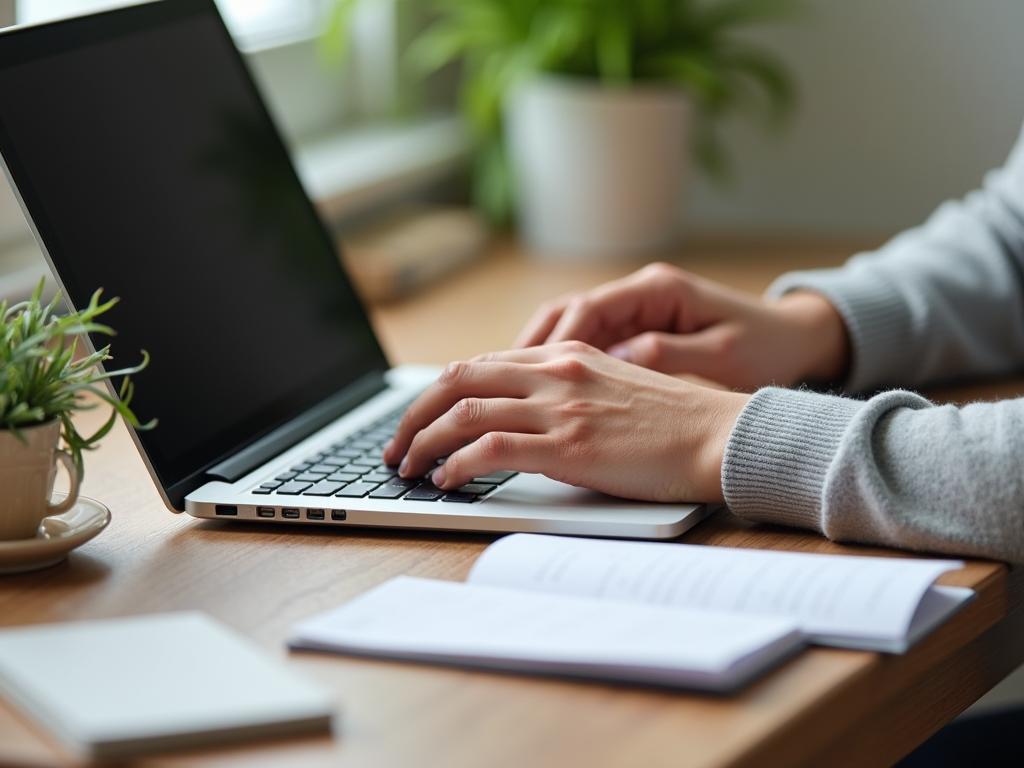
(264, 511)
(227, 509)
(314, 514)
(338, 514)
(291, 514)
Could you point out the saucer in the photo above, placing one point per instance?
(56, 536)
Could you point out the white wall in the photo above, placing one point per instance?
(904, 103)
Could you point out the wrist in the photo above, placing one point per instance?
(823, 337)
(721, 412)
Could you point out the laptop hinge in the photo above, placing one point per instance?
(263, 450)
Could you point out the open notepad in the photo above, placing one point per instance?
(670, 614)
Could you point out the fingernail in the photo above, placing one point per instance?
(403, 466)
(438, 476)
(622, 353)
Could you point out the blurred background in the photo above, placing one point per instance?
(902, 104)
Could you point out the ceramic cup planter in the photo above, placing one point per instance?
(599, 171)
(27, 473)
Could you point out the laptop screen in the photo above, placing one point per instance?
(151, 169)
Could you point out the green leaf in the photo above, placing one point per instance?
(40, 377)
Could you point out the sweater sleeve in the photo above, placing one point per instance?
(894, 470)
(939, 302)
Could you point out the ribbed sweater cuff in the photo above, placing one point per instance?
(779, 452)
(876, 315)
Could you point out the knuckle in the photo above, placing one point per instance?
(581, 304)
(453, 374)
(649, 349)
(660, 272)
(415, 446)
(467, 412)
(570, 369)
(453, 465)
(667, 276)
(575, 348)
(726, 346)
(494, 447)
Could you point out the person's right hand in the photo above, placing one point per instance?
(663, 318)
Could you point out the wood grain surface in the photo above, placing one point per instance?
(823, 707)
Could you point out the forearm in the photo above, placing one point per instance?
(894, 470)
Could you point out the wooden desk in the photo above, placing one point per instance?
(840, 708)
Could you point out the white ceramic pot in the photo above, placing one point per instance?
(599, 171)
(27, 473)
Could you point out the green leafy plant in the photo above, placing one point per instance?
(692, 44)
(41, 379)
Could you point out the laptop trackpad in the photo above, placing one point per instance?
(541, 490)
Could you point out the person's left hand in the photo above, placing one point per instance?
(573, 413)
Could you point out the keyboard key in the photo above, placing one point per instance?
(477, 489)
(293, 488)
(343, 477)
(354, 469)
(272, 484)
(425, 492)
(346, 453)
(356, 490)
(459, 497)
(323, 488)
(407, 482)
(388, 491)
(363, 445)
(324, 469)
(310, 477)
(367, 461)
(495, 478)
(301, 467)
(334, 461)
(285, 476)
(384, 469)
(263, 491)
(376, 477)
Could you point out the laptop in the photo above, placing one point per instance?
(148, 165)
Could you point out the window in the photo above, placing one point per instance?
(255, 24)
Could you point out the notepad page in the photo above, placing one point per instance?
(828, 595)
(124, 687)
(452, 622)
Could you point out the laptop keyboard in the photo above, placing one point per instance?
(353, 468)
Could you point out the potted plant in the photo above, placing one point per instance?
(42, 383)
(581, 108)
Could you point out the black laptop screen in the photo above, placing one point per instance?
(152, 169)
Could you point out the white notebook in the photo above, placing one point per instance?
(671, 614)
(123, 687)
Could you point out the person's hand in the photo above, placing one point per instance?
(668, 320)
(573, 413)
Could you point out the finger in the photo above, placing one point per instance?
(496, 450)
(465, 422)
(531, 355)
(541, 323)
(705, 353)
(617, 311)
(458, 380)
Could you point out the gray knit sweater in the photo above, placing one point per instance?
(938, 303)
